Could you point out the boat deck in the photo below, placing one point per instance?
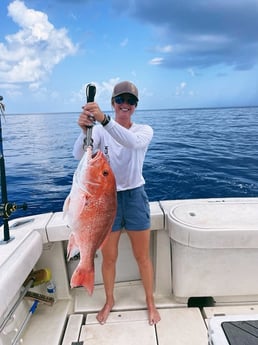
(127, 323)
(178, 326)
(72, 320)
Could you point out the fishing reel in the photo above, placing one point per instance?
(8, 208)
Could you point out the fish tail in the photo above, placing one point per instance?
(83, 277)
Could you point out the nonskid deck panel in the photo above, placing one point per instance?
(178, 326)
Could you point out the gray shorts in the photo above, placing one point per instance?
(133, 210)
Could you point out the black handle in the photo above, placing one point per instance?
(90, 92)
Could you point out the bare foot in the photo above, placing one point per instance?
(154, 316)
(103, 313)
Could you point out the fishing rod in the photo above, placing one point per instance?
(90, 95)
(6, 208)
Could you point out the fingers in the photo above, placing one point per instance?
(93, 112)
(90, 113)
(85, 120)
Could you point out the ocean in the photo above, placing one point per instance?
(195, 153)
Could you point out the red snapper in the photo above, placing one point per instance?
(89, 210)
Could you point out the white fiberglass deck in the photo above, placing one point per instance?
(179, 325)
(127, 324)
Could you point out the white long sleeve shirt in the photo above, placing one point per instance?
(124, 148)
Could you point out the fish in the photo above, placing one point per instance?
(89, 211)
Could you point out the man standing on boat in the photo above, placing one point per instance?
(125, 144)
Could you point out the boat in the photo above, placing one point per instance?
(204, 253)
(203, 272)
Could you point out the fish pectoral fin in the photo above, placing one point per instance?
(73, 252)
(83, 204)
(66, 205)
(72, 248)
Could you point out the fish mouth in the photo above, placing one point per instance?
(92, 156)
(95, 155)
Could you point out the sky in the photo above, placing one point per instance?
(179, 53)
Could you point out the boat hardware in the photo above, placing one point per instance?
(21, 222)
(90, 94)
(22, 294)
(26, 320)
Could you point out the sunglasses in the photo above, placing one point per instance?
(121, 100)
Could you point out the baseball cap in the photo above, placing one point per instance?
(125, 87)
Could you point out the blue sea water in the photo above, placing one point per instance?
(195, 153)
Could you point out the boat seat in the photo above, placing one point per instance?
(18, 257)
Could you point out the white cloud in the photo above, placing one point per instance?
(124, 42)
(103, 94)
(191, 72)
(165, 49)
(183, 90)
(217, 32)
(31, 53)
(191, 93)
(34, 86)
(11, 90)
(180, 89)
(156, 61)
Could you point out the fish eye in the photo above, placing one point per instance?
(105, 173)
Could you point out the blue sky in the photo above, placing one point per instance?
(180, 54)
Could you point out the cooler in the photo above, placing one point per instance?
(214, 249)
